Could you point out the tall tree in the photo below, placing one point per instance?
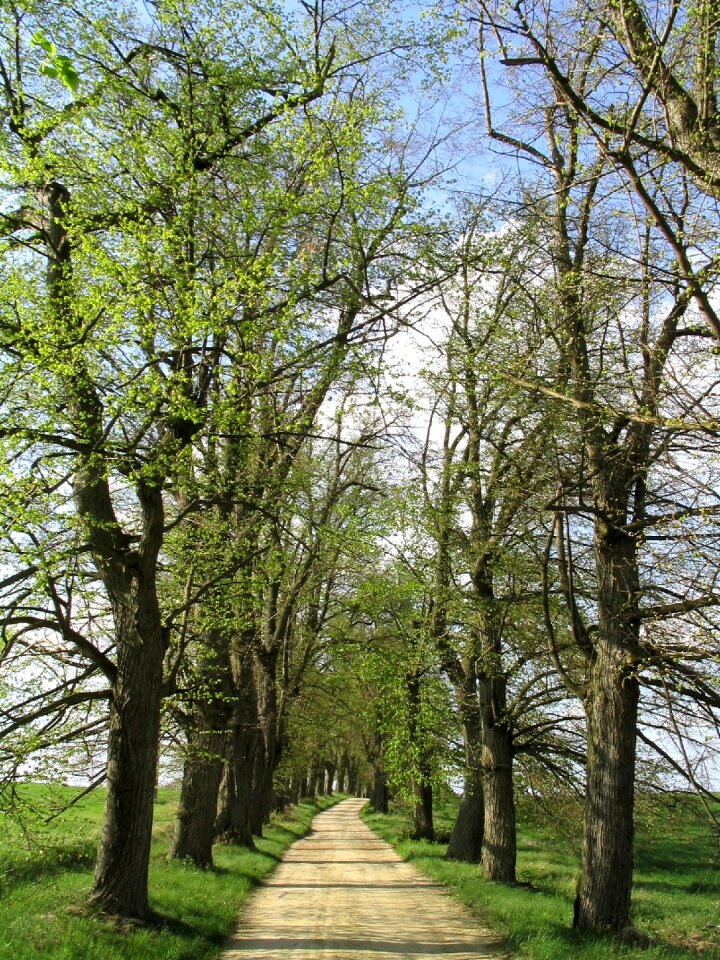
(616, 332)
(119, 132)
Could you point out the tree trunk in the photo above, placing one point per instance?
(603, 896)
(120, 885)
(202, 773)
(379, 798)
(330, 768)
(206, 749)
(232, 824)
(467, 836)
(353, 774)
(499, 842)
(423, 828)
(466, 839)
(343, 776)
(293, 795)
(129, 572)
(268, 754)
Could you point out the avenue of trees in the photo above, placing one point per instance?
(331, 463)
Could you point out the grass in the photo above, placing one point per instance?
(676, 896)
(46, 871)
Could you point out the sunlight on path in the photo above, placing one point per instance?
(343, 894)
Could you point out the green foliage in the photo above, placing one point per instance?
(57, 66)
(407, 704)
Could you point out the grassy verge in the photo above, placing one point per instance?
(676, 897)
(45, 873)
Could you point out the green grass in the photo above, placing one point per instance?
(676, 896)
(46, 871)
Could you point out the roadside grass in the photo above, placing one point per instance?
(676, 895)
(46, 871)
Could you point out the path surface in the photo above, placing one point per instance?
(342, 894)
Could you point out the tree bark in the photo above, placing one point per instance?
(311, 783)
(233, 822)
(293, 794)
(352, 781)
(206, 749)
(129, 573)
(379, 798)
(466, 839)
(330, 768)
(499, 841)
(120, 885)
(202, 773)
(423, 827)
(603, 896)
(320, 780)
(268, 753)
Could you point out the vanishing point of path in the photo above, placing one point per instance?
(342, 894)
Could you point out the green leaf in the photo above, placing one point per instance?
(66, 72)
(40, 40)
(48, 70)
(57, 66)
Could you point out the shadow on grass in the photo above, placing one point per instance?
(50, 862)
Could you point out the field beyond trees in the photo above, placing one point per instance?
(46, 870)
(676, 896)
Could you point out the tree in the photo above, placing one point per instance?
(115, 352)
(616, 331)
(647, 95)
(483, 489)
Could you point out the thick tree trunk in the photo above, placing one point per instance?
(268, 754)
(311, 783)
(293, 794)
(467, 836)
(206, 749)
(202, 773)
(120, 885)
(466, 839)
(232, 824)
(603, 896)
(330, 768)
(499, 841)
(353, 774)
(423, 828)
(343, 775)
(303, 792)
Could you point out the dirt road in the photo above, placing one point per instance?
(343, 894)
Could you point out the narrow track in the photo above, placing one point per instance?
(342, 894)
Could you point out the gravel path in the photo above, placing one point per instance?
(342, 894)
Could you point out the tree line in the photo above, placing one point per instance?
(233, 530)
